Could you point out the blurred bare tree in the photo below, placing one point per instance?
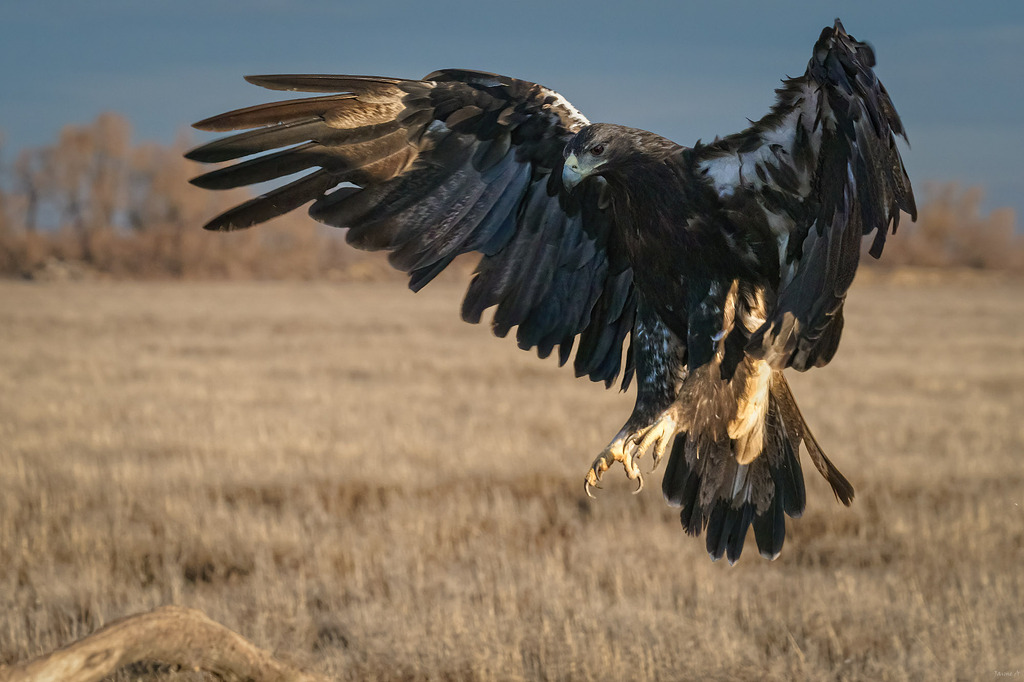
(5, 216)
(952, 230)
(30, 173)
(95, 200)
(107, 170)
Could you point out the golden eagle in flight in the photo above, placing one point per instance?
(722, 264)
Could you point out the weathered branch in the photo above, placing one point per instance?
(170, 634)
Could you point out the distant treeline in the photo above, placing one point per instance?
(94, 204)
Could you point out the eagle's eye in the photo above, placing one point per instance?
(597, 149)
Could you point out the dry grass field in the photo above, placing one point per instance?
(356, 480)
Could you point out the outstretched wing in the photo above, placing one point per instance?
(428, 170)
(824, 168)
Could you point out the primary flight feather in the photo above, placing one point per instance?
(722, 264)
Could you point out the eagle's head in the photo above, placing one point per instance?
(587, 152)
(601, 147)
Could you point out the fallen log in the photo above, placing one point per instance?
(171, 635)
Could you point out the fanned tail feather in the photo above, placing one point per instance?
(723, 498)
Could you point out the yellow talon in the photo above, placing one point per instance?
(629, 448)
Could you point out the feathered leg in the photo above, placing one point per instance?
(660, 370)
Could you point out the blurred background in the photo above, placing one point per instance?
(351, 477)
(97, 100)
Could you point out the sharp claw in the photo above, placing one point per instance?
(586, 489)
(659, 454)
(639, 484)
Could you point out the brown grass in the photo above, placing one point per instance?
(354, 479)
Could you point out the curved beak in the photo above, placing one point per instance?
(571, 175)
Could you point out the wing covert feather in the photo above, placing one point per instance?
(461, 161)
(824, 168)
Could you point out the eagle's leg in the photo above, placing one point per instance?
(660, 368)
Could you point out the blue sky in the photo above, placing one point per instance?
(684, 70)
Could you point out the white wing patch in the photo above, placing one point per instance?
(727, 173)
(576, 119)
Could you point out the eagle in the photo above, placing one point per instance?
(703, 272)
